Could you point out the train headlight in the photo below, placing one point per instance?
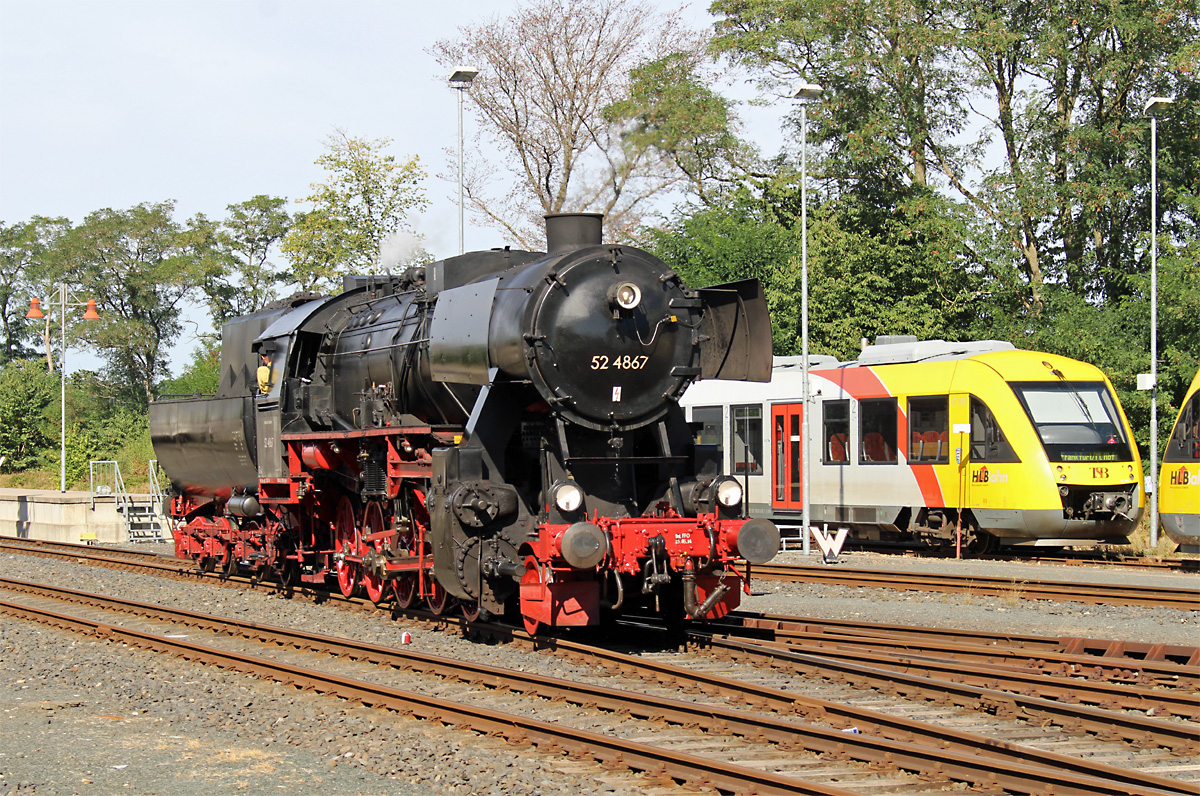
(568, 496)
(729, 492)
(625, 295)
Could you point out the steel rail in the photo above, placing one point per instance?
(933, 664)
(1047, 663)
(1120, 652)
(100, 555)
(1058, 773)
(1143, 731)
(1090, 593)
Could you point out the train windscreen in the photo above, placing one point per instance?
(1076, 421)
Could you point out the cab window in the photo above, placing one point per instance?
(988, 443)
(1185, 439)
(929, 430)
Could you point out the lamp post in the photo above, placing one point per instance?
(806, 94)
(1154, 107)
(460, 80)
(90, 314)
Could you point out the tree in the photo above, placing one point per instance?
(247, 237)
(904, 270)
(887, 69)
(202, 376)
(142, 267)
(548, 73)
(1056, 87)
(23, 264)
(366, 199)
(28, 413)
(671, 109)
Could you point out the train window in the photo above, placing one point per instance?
(746, 443)
(836, 416)
(988, 443)
(1076, 421)
(877, 431)
(929, 429)
(709, 426)
(1185, 439)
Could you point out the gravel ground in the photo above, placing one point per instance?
(84, 716)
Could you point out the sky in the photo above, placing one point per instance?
(111, 103)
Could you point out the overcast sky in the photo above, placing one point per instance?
(110, 103)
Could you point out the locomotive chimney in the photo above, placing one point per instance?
(569, 231)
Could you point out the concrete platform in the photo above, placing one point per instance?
(61, 516)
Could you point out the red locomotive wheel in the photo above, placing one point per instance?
(532, 575)
(437, 598)
(347, 577)
(345, 542)
(405, 590)
(375, 585)
(473, 613)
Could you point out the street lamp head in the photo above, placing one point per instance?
(809, 92)
(463, 75)
(35, 308)
(1155, 106)
(90, 313)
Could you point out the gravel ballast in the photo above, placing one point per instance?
(93, 717)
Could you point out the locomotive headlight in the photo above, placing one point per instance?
(729, 492)
(625, 295)
(568, 496)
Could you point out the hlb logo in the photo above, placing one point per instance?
(980, 476)
(1181, 477)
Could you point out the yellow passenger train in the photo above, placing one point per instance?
(1179, 477)
(1026, 448)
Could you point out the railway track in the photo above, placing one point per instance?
(1090, 593)
(1078, 558)
(742, 750)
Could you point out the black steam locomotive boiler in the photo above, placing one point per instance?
(498, 429)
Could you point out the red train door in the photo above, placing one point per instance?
(786, 422)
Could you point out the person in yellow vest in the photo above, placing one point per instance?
(264, 374)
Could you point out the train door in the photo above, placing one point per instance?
(786, 423)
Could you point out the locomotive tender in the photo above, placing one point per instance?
(1028, 449)
(499, 429)
(1179, 476)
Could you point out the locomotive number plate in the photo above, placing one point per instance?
(620, 362)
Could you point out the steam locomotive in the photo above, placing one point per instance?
(499, 430)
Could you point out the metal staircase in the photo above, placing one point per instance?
(142, 520)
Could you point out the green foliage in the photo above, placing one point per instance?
(28, 413)
(82, 448)
(1057, 90)
(366, 198)
(871, 272)
(202, 376)
(671, 110)
(24, 250)
(906, 272)
(142, 267)
(246, 281)
(738, 239)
